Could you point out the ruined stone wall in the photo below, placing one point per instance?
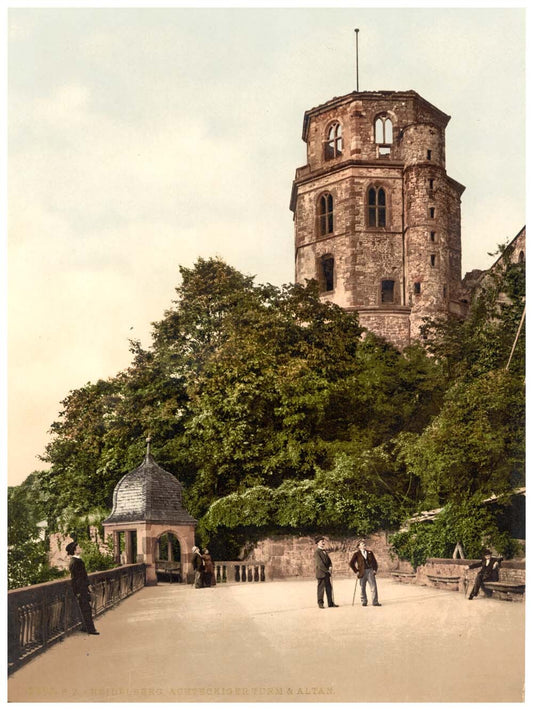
(394, 325)
(357, 113)
(363, 256)
(57, 553)
(419, 248)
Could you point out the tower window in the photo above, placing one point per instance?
(383, 134)
(444, 291)
(429, 155)
(432, 259)
(327, 268)
(387, 291)
(377, 208)
(333, 147)
(417, 287)
(431, 183)
(521, 257)
(432, 213)
(432, 236)
(325, 214)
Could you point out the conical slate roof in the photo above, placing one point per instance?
(149, 494)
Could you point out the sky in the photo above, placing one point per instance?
(142, 139)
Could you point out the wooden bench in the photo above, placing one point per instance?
(171, 569)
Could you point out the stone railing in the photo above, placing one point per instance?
(42, 614)
(238, 572)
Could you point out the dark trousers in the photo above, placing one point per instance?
(209, 579)
(84, 603)
(479, 584)
(324, 584)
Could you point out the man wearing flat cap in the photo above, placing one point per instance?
(323, 567)
(489, 572)
(81, 587)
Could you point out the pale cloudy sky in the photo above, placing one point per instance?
(142, 139)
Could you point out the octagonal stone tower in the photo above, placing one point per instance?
(377, 219)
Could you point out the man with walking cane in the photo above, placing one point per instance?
(365, 566)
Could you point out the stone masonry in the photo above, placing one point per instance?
(293, 556)
(377, 219)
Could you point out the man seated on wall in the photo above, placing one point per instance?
(488, 573)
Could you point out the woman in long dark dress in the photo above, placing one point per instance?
(209, 569)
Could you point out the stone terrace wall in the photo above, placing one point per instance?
(512, 571)
(455, 575)
(293, 556)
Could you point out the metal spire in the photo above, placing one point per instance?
(356, 59)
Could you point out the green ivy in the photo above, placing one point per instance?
(469, 522)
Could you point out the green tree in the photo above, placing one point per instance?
(27, 543)
(250, 388)
(483, 341)
(475, 444)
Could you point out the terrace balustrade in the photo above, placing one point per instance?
(42, 614)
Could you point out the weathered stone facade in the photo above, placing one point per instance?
(514, 253)
(377, 219)
(293, 556)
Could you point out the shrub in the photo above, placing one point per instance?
(469, 522)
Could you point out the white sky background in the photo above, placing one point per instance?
(142, 139)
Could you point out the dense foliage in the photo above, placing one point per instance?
(27, 550)
(469, 521)
(276, 414)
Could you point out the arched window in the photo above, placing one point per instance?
(333, 147)
(377, 207)
(387, 291)
(325, 214)
(383, 134)
(327, 273)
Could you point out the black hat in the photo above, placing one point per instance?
(71, 548)
(486, 552)
(318, 538)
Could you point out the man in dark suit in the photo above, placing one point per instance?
(365, 566)
(489, 572)
(323, 567)
(81, 587)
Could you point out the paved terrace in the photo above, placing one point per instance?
(268, 642)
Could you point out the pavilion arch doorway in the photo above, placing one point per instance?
(167, 555)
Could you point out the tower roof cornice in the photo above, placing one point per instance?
(338, 101)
